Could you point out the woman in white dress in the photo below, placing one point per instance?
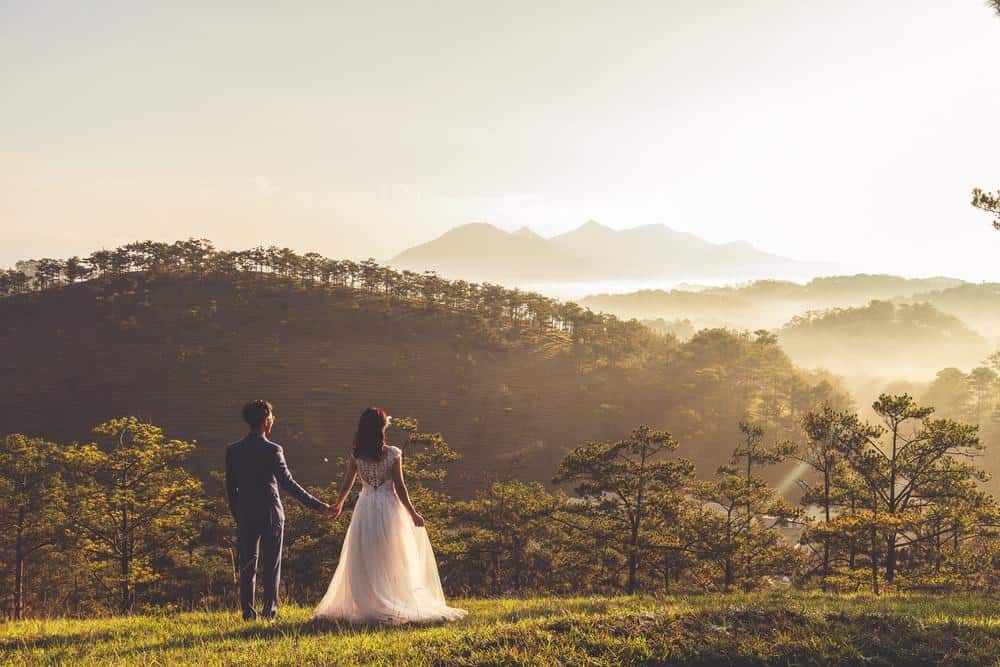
(387, 572)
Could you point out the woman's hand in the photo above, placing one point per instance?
(334, 511)
(418, 520)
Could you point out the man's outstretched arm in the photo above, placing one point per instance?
(284, 477)
(232, 491)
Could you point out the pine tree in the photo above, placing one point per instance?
(985, 201)
(132, 503)
(32, 497)
(903, 468)
(506, 532)
(744, 548)
(825, 431)
(619, 479)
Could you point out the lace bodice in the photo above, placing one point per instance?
(376, 474)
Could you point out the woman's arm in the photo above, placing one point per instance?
(404, 495)
(346, 484)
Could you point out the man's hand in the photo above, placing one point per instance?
(333, 511)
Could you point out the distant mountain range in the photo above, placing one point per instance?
(480, 251)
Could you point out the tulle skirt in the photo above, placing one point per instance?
(387, 572)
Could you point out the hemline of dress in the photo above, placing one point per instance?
(393, 620)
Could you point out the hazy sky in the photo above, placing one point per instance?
(844, 130)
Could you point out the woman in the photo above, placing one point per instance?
(387, 572)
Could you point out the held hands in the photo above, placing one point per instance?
(334, 511)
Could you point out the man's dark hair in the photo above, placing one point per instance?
(256, 412)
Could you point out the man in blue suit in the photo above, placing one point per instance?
(255, 467)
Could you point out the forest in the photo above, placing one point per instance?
(741, 473)
(514, 379)
(862, 327)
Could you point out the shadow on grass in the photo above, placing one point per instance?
(256, 630)
(549, 611)
(252, 631)
(55, 641)
(315, 627)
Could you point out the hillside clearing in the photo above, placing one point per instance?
(775, 628)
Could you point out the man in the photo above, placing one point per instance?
(255, 467)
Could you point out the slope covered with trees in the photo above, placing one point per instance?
(978, 305)
(531, 394)
(763, 304)
(882, 339)
(116, 523)
(181, 334)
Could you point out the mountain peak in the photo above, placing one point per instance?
(474, 228)
(593, 226)
(526, 232)
(592, 251)
(481, 251)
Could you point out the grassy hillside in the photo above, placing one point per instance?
(760, 629)
(186, 351)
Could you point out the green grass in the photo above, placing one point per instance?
(759, 629)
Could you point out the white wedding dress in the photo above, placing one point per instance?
(387, 572)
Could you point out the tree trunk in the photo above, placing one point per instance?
(874, 559)
(124, 587)
(496, 573)
(730, 577)
(826, 509)
(890, 557)
(937, 548)
(632, 562)
(633, 557)
(18, 575)
(890, 543)
(852, 548)
(666, 572)
(516, 565)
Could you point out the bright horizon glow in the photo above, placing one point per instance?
(849, 132)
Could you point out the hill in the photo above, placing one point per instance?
(657, 251)
(883, 339)
(759, 629)
(590, 252)
(921, 326)
(767, 304)
(512, 380)
(978, 305)
(480, 251)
